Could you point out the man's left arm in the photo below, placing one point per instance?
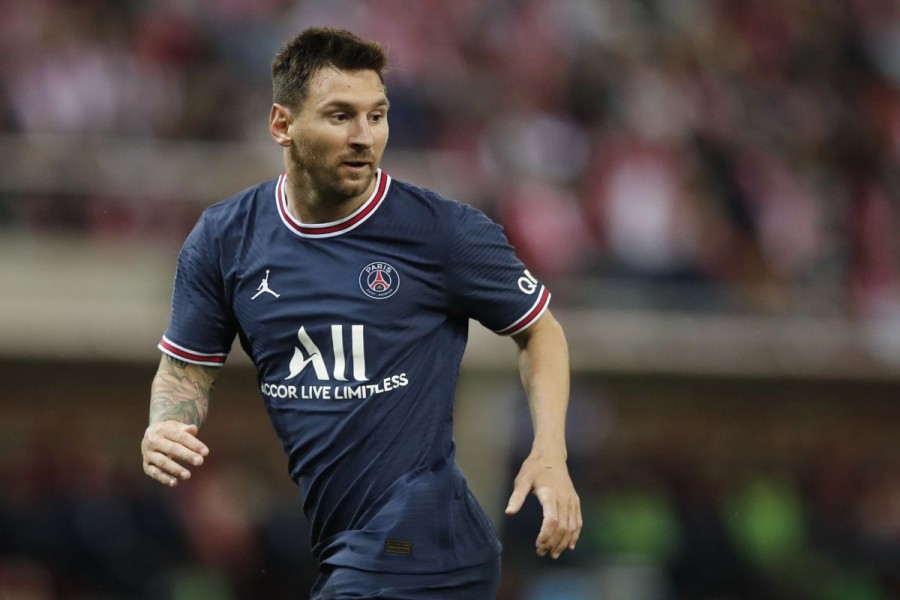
(544, 369)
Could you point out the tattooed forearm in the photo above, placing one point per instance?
(181, 391)
(181, 364)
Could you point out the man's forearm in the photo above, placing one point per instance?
(181, 391)
(544, 368)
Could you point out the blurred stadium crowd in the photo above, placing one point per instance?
(699, 141)
(704, 145)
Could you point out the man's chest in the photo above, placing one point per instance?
(333, 298)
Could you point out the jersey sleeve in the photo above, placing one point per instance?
(201, 329)
(487, 281)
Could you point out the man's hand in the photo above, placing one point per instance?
(167, 446)
(549, 480)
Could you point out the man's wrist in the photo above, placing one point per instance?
(551, 452)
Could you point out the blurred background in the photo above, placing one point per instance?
(709, 187)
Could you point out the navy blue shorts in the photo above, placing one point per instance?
(480, 582)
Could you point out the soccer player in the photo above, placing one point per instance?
(351, 291)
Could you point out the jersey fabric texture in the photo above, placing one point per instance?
(357, 329)
(480, 582)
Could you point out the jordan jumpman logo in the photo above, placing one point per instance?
(264, 288)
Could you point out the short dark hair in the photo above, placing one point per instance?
(301, 58)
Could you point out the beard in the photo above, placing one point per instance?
(331, 179)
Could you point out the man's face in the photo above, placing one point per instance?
(339, 133)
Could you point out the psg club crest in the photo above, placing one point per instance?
(379, 280)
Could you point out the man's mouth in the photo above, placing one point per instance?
(357, 166)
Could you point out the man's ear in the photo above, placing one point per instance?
(280, 119)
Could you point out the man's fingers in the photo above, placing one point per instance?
(574, 541)
(180, 452)
(561, 525)
(187, 437)
(564, 535)
(167, 446)
(579, 523)
(572, 526)
(182, 433)
(557, 542)
(167, 466)
(154, 472)
(179, 444)
(548, 537)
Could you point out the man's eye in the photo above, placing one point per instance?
(376, 117)
(340, 116)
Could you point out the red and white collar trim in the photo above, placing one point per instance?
(322, 230)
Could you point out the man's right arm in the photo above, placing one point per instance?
(179, 401)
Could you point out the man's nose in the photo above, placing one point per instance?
(361, 133)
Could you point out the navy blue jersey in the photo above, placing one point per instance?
(357, 329)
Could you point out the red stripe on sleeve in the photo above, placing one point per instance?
(536, 311)
(191, 357)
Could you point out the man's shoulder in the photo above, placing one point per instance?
(426, 198)
(454, 213)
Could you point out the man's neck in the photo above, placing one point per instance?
(313, 206)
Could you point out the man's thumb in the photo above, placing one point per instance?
(516, 500)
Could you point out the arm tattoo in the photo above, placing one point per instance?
(181, 364)
(181, 391)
